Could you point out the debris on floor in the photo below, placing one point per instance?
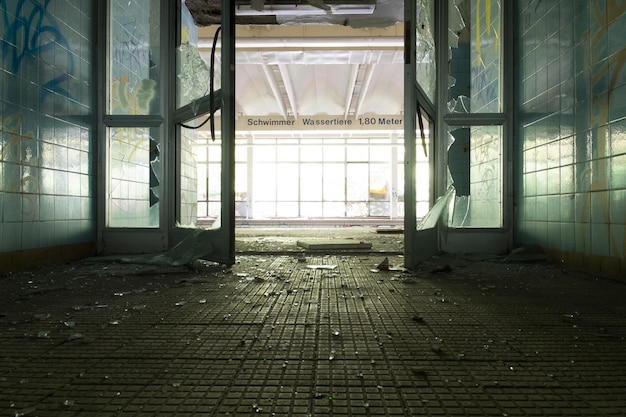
(333, 244)
(390, 230)
(384, 265)
(329, 267)
(272, 336)
(442, 269)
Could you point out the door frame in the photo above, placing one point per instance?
(219, 242)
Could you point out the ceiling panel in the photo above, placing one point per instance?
(293, 71)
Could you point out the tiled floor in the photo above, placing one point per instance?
(276, 335)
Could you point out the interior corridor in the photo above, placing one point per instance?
(310, 333)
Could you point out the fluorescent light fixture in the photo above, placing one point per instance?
(305, 9)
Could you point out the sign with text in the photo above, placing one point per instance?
(369, 122)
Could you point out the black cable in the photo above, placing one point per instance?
(421, 124)
(211, 90)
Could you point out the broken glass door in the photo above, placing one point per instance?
(205, 98)
(475, 125)
(148, 197)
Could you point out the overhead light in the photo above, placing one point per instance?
(305, 9)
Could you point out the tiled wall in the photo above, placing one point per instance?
(571, 130)
(46, 121)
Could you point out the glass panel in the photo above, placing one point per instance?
(241, 190)
(379, 182)
(357, 182)
(215, 210)
(203, 183)
(356, 209)
(287, 209)
(264, 210)
(422, 193)
(207, 168)
(311, 209)
(334, 210)
(203, 209)
(334, 150)
(379, 209)
(380, 150)
(311, 182)
(311, 150)
(334, 182)
(192, 176)
(193, 69)
(475, 49)
(482, 206)
(264, 182)
(426, 69)
(400, 188)
(287, 182)
(265, 150)
(135, 65)
(379, 192)
(287, 151)
(134, 177)
(356, 152)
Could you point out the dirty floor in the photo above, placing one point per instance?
(312, 334)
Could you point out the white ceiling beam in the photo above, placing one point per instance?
(354, 73)
(284, 73)
(367, 81)
(275, 90)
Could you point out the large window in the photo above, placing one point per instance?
(310, 176)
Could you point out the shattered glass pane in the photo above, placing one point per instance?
(439, 209)
(426, 69)
(194, 74)
(134, 181)
(475, 64)
(193, 69)
(133, 87)
(481, 205)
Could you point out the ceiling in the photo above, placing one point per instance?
(354, 13)
(313, 58)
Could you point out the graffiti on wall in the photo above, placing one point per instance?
(596, 176)
(30, 33)
(33, 44)
(132, 89)
(485, 68)
(20, 180)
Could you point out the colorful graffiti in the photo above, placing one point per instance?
(32, 42)
(485, 67)
(132, 89)
(132, 98)
(30, 32)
